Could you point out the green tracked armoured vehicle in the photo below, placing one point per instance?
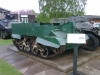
(42, 39)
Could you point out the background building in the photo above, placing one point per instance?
(28, 16)
(24, 16)
(93, 18)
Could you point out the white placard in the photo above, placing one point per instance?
(76, 38)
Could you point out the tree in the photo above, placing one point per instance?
(62, 8)
(42, 17)
(33, 12)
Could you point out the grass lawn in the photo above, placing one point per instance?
(7, 69)
(5, 42)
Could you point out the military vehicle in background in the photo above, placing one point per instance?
(82, 25)
(5, 25)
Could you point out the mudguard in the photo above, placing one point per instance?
(16, 36)
(52, 42)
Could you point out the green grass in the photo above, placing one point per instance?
(5, 42)
(7, 69)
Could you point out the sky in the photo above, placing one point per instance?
(14, 5)
(92, 7)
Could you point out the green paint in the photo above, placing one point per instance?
(52, 39)
(55, 34)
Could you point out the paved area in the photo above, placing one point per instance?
(91, 68)
(30, 66)
(25, 65)
(64, 62)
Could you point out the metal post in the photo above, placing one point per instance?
(75, 72)
(75, 59)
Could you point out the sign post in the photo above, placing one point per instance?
(76, 39)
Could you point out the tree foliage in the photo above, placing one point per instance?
(42, 17)
(62, 8)
(34, 12)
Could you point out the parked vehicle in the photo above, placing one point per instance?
(83, 26)
(5, 26)
(42, 39)
(96, 25)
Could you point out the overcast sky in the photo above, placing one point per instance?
(92, 7)
(20, 4)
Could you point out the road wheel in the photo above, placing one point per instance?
(45, 52)
(35, 51)
(4, 35)
(18, 44)
(55, 50)
(21, 46)
(27, 46)
(92, 43)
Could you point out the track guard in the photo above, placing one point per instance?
(48, 43)
(16, 36)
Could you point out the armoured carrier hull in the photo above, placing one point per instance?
(42, 40)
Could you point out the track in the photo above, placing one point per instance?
(28, 45)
